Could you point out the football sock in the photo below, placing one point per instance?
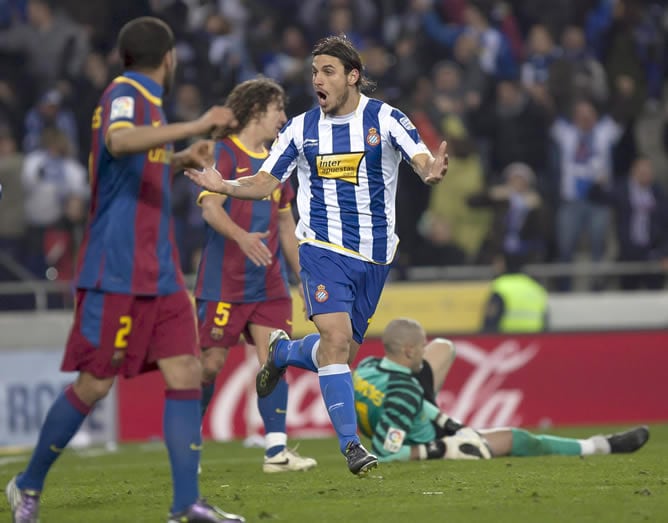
(181, 428)
(272, 410)
(298, 353)
(208, 390)
(595, 445)
(60, 425)
(527, 444)
(336, 385)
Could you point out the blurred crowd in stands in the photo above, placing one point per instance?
(554, 112)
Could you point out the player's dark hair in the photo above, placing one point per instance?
(143, 43)
(342, 48)
(250, 99)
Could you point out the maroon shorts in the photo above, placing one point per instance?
(222, 323)
(124, 334)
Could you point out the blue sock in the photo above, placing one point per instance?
(207, 393)
(61, 424)
(336, 385)
(272, 409)
(297, 353)
(181, 427)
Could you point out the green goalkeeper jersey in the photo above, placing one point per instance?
(391, 408)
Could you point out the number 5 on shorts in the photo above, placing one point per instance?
(121, 341)
(222, 313)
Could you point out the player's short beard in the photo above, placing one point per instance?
(340, 103)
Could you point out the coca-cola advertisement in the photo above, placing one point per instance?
(529, 380)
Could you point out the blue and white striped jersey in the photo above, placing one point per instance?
(347, 168)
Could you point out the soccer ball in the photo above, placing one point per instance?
(466, 444)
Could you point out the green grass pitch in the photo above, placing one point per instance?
(133, 484)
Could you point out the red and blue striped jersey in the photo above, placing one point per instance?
(225, 273)
(129, 246)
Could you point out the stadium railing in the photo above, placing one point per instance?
(543, 271)
(32, 294)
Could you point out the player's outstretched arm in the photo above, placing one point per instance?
(430, 168)
(255, 187)
(132, 140)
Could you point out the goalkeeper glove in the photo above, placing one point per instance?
(448, 425)
(466, 444)
(432, 450)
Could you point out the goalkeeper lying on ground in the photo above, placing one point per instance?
(394, 399)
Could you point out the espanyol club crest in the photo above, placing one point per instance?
(321, 294)
(373, 138)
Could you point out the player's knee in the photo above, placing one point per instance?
(191, 369)
(210, 369)
(444, 348)
(335, 345)
(208, 374)
(213, 360)
(183, 372)
(91, 389)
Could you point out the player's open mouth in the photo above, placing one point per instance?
(322, 97)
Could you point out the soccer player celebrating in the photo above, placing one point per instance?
(133, 313)
(347, 152)
(395, 408)
(241, 282)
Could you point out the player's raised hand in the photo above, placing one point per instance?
(208, 178)
(440, 165)
(254, 248)
(216, 117)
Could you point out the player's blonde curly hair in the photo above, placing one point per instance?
(249, 100)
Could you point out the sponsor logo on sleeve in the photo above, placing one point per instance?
(408, 125)
(394, 439)
(122, 107)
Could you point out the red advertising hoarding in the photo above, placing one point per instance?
(533, 380)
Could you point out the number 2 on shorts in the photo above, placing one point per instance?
(222, 314)
(121, 341)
